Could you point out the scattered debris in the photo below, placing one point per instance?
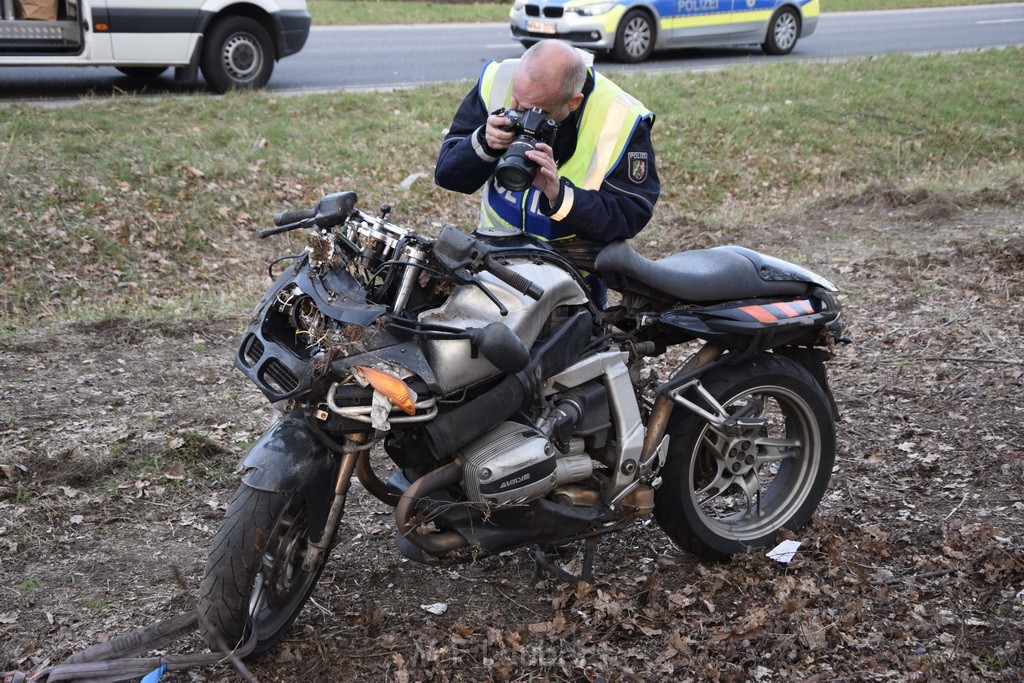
(436, 608)
(784, 552)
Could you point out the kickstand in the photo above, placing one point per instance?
(543, 564)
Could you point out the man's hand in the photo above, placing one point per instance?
(494, 135)
(546, 179)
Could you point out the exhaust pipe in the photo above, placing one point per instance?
(437, 545)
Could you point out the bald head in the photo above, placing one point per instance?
(557, 66)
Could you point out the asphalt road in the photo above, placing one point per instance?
(371, 57)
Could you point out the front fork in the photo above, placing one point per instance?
(357, 461)
(316, 551)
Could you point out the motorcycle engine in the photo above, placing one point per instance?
(515, 463)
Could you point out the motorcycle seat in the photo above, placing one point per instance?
(710, 275)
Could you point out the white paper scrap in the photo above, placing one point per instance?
(784, 551)
(380, 408)
(436, 608)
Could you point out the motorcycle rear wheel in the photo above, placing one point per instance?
(722, 493)
(254, 577)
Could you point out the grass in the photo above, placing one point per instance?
(864, 5)
(328, 12)
(342, 12)
(162, 222)
(95, 604)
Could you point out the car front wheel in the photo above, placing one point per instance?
(783, 30)
(634, 40)
(237, 54)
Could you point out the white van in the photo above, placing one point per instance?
(234, 42)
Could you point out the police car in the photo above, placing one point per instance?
(234, 42)
(631, 29)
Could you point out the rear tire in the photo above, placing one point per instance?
(724, 492)
(237, 55)
(254, 577)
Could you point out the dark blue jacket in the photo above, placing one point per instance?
(618, 210)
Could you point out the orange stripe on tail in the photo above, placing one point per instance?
(788, 308)
(760, 314)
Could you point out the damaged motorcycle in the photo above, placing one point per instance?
(515, 411)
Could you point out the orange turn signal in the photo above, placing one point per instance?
(397, 391)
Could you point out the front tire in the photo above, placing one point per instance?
(634, 41)
(783, 30)
(254, 577)
(726, 490)
(237, 54)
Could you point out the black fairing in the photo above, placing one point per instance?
(408, 355)
(339, 295)
(271, 355)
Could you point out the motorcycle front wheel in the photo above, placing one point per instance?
(254, 577)
(725, 489)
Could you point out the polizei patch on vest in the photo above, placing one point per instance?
(637, 166)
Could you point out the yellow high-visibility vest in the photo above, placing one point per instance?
(610, 116)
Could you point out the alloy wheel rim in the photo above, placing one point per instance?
(785, 31)
(637, 37)
(281, 580)
(749, 484)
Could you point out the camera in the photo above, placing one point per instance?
(514, 171)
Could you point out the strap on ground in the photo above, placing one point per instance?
(118, 659)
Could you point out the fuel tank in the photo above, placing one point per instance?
(453, 360)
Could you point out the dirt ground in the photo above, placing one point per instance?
(118, 442)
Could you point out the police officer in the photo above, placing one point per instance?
(597, 183)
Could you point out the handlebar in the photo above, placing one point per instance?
(302, 223)
(288, 217)
(513, 279)
(455, 249)
(330, 211)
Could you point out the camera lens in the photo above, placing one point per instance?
(515, 172)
